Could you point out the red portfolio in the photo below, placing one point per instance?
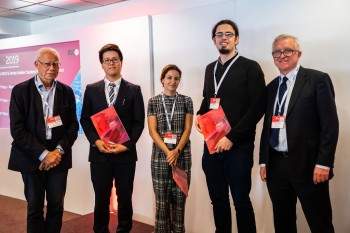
(109, 126)
(215, 126)
(180, 177)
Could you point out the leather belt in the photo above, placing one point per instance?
(279, 153)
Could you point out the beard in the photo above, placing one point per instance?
(224, 51)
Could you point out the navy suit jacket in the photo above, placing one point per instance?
(311, 123)
(130, 108)
(28, 131)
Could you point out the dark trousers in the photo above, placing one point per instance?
(314, 199)
(230, 170)
(102, 175)
(36, 184)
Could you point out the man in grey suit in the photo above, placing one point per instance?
(299, 140)
(110, 162)
(44, 127)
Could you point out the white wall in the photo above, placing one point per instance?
(181, 35)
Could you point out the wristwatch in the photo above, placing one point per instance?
(60, 150)
(179, 151)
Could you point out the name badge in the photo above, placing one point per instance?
(54, 121)
(278, 122)
(214, 103)
(170, 138)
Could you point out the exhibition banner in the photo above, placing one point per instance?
(17, 65)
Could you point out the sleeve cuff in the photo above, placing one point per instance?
(43, 155)
(323, 167)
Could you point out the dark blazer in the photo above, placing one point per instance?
(311, 123)
(27, 126)
(130, 108)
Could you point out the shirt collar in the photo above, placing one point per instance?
(228, 61)
(117, 82)
(39, 84)
(291, 74)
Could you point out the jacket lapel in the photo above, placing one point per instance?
(56, 103)
(123, 90)
(101, 93)
(272, 97)
(37, 100)
(298, 86)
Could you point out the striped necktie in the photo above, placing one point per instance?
(111, 93)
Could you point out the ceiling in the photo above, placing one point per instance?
(30, 10)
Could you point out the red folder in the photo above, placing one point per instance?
(214, 126)
(180, 177)
(109, 126)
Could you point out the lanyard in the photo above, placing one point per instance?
(166, 111)
(45, 102)
(217, 86)
(285, 93)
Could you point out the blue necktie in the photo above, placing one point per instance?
(275, 132)
(111, 93)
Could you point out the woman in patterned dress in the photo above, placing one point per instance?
(170, 117)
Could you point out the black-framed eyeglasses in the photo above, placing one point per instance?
(109, 60)
(49, 64)
(222, 34)
(286, 53)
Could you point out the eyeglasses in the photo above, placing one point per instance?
(286, 53)
(47, 65)
(222, 34)
(109, 60)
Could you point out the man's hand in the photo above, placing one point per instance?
(320, 175)
(52, 159)
(102, 146)
(263, 173)
(196, 124)
(224, 144)
(117, 148)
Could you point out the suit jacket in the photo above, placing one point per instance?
(27, 125)
(130, 108)
(311, 123)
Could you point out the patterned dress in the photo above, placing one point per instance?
(170, 200)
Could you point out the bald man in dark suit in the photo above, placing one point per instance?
(44, 127)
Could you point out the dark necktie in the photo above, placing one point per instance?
(111, 93)
(276, 131)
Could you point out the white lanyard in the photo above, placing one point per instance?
(45, 100)
(217, 86)
(285, 93)
(166, 111)
(282, 102)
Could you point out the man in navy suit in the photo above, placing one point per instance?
(44, 127)
(116, 161)
(298, 140)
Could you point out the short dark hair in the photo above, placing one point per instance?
(166, 70)
(225, 21)
(109, 47)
